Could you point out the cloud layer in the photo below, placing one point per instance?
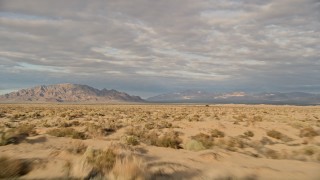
(148, 47)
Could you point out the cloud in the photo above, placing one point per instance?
(156, 46)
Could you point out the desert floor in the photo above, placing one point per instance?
(59, 141)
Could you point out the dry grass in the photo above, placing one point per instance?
(15, 135)
(77, 147)
(308, 132)
(13, 168)
(204, 139)
(129, 168)
(102, 161)
(66, 132)
(278, 135)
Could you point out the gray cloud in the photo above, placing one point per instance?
(148, 47)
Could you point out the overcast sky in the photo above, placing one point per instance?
(147, 47)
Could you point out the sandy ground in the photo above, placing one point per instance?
(160, 141)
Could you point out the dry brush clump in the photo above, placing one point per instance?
(217, 133)
(13, 168)
(102, 161)
(167, 139)
(16, 135)
(308, 132)
(206, 140)
(77, 147)
(248, 134)
(67, 132)
(117, 162)
(278, 135)
(129, 167)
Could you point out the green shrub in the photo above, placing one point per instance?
(194, 145)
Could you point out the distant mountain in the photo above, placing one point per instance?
(68, 93)
(190, 96)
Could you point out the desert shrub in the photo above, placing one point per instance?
(13, 168)
(150, 125)
(26, 129)
(308, 132)
(195, 117)
(164, 124)
(16, 135)
(170, 139)
(233, 143)
(136, 131)
(206, 140)
(266, 141)
(240, 117)
(98, 131)
(194, 145)
(217, 133)
(132, 140)
(129, 167)
(18, 116)
(270, 153)
(160, 125)
(309, 150)
(101, 161)
(2, 114)
(74, 115)
(274, 134)
(77, 147)
(34, 115)
(66, 132)
(257, 118)
(248, 134)
(278, 135)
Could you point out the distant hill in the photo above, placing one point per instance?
(191, 96)
(68, 93)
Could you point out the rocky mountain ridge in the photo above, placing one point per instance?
(68, 93)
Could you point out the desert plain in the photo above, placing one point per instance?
(152, 141)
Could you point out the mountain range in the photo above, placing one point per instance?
(82, 93)
(68, 93)
(192, 96)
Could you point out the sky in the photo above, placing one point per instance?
(148, 47)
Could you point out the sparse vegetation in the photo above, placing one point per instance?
(132, 140)
(248, 134)
(194, 145)
(102, 161)
(142, 139)
(170, 139)
(278, 135)
(217, 133)
(67, 132)
(308, 132)
(204, 139)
